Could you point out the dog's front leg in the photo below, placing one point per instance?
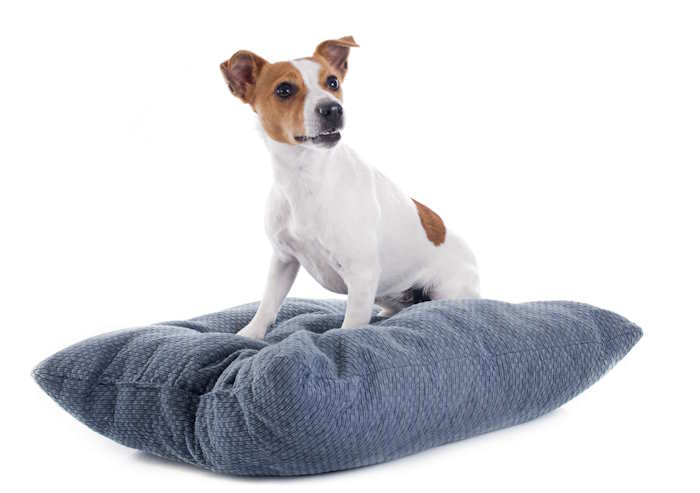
(362, 290)
(280, 278)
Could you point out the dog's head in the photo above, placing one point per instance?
(300, 101)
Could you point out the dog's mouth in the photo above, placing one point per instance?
(326, 138)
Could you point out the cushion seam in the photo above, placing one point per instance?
(42, 373)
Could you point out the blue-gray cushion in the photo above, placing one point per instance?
(312, 398)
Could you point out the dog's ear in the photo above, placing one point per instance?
(241, 72)
(336, 51)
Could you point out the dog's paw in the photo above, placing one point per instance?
(253, 331)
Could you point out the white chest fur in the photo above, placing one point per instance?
(318, 203)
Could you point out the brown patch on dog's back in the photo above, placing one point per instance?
(432, 224)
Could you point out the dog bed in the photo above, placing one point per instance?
(313, 398)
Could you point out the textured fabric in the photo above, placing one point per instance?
(312, 398)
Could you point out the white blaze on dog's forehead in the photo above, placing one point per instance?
(309, 70)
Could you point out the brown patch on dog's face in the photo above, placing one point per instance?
(281, 117)
(432, 224)
(325, 74)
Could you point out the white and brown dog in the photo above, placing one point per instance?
(352, 229)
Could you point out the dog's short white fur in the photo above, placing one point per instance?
(349, 226)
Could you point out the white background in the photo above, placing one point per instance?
(561, 139)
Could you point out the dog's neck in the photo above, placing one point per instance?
(296, 166)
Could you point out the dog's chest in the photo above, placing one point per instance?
(302, 233)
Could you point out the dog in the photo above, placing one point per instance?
(351, 228)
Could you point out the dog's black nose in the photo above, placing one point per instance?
(331, 112)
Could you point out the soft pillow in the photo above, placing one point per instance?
(312, 398)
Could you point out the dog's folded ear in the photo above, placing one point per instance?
(241, 72)
(336, 51)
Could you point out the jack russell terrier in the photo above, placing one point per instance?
(351, 228)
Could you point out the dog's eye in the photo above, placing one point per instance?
(332, 83)
(285, 90)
